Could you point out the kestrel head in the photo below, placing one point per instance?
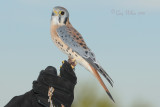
(60, 15)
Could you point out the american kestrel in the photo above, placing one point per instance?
(70, 41)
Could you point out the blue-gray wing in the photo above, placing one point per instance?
(68, 38)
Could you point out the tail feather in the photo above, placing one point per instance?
(110, 96)
(100, 70)
(103, 72)
(101, 82)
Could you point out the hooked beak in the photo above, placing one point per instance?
(55, 13)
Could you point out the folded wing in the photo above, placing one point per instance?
(86, 53)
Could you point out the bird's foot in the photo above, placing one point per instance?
(73, 62)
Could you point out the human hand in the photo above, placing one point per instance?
(63, 86)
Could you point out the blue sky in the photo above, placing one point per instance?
(126, 44)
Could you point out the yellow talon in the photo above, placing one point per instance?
(72, 66)
(62, 62)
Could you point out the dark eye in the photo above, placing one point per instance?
(62, 13)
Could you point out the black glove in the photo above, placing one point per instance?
(63, 86)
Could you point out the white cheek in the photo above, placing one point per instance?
(55, 20)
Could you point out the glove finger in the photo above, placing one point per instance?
(49, 74)
(59, 97)
(42, 89)
(51, 70)
(57, 82)
(67, 72)
(62, 97)
(56, 103)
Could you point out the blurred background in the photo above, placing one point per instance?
(124, 35)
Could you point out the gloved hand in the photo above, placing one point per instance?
(63, 86)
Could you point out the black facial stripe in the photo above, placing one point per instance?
(65, 21)
(59, 19)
